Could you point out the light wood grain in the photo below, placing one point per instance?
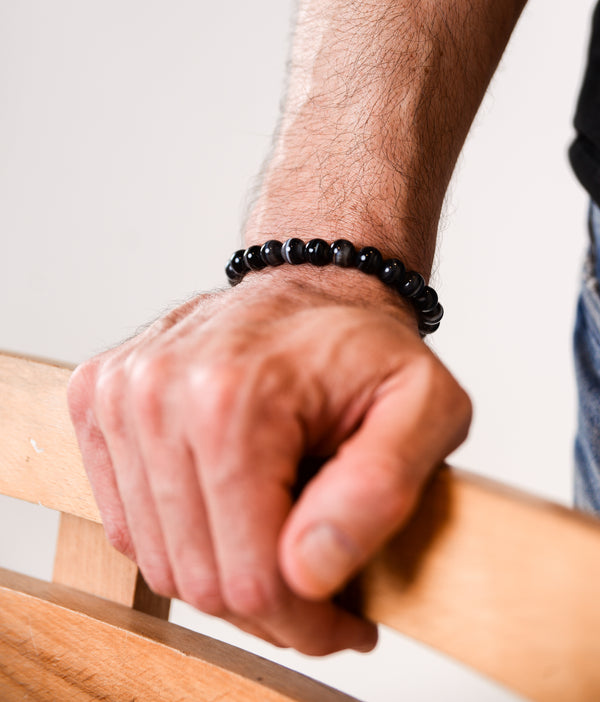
(85, 560)
(39, 457)
(59, 644)
(504, 582)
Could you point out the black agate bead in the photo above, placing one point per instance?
(233, 277)
(369, 260)
(253, 260)
(318, 252)
(270, 253)
(392, 272)
(293, 251)
(412, 285)
(427, 300)
(236, 267)
(237, 262)
(343, 253)
(430, 321)
(434, 316)
(425, 328)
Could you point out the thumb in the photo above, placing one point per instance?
(371, 486)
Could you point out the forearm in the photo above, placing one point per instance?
(208, 412)
(381, 97)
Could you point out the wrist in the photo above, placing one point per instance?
(397, 234)
(309, 286)
(395, 284)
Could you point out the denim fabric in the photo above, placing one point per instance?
(587, 367)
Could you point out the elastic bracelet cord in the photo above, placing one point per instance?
(408, 284)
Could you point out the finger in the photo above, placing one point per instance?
(82, 398)
(96, 458)
(247, 455)
(371, 486)
(181, 511)
(254, 629)
(246, 450)
(112, 408)
(83, 401)
(316, 628)
(173, 482)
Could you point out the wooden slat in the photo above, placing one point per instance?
(58, 644)
(39, 458)
(505, 583)
(40, 462)
(85, 560)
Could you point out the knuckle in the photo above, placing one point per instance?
(403, 501)
(149, 379)
(399, 483)
(80, 389)
(204, 594)
(464, 408)
(392, 481)
(453, 401)
(390, 473)
(433, 374)
(159, 578)
(244, 386)
(447, 386)
(215, 388)
(119, 538)
(108, 393)
(442, 388)
(251, 597)
(271, 377)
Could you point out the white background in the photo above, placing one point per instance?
(130, 133)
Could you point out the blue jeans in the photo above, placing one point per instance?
(587, 367)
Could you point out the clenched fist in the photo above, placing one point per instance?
(192, 433)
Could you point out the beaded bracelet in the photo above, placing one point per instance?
(407, 284)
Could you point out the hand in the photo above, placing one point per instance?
(191, 434)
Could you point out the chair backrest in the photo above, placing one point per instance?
(499, 580)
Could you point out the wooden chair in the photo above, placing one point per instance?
(506, 583)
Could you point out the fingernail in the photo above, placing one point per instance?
(327, 556)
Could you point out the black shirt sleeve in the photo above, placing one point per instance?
(585, 150)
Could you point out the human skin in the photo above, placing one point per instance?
(192, 432)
